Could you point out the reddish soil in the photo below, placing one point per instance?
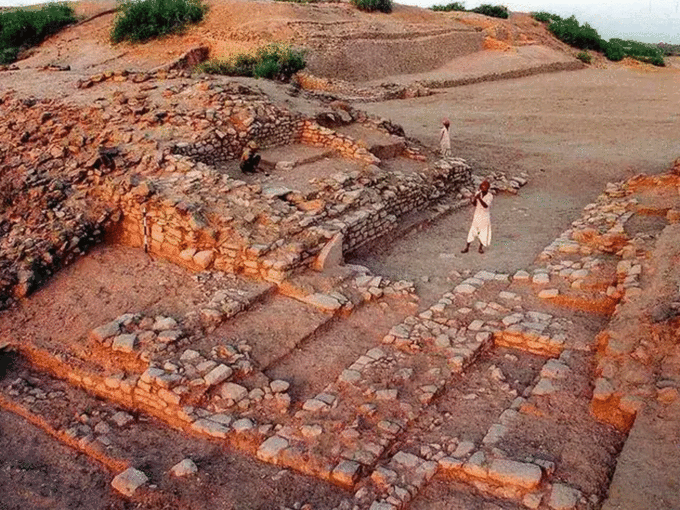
(570, 132)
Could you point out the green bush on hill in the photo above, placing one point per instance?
(141, 20)
(571, 32)
(644, 52)
(584, 57)
(23, 28)
(455, 6)
(373, 5)
(495, 11)
(545, 17)
(274, 61)
(614, 51)
(586, 37)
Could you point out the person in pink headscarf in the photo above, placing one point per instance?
(481, 221)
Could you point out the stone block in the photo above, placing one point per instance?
(563, 497)
(407, 460)
(164, 323)
(124, 343)
(209, 427)
(541, 278)
(464, 288)
(243, 425)
(521, 275)
(548, 293)
(520, 474)
(129, 481)
(323, 302)
(350, 376)
(475, 466)
(106, 331)
(330, 255)
(450, 464)
(382, 505)
(384, 477)
(314, 405)
(603, 389)
(217, 375)
(346, 473)
(169, 336)
(544, 387)
(184, 468)
(271, 448)
(233, 391)
(386, 395)
(279, 386)
(204, 259)
(121, 418)
(553, 369)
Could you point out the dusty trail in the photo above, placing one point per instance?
(572, 132)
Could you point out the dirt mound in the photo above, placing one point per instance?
(342, 42)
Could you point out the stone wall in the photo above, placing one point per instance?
(365, 59)
(414, 194)
(237, 124)
(194, 238)
(275, 130)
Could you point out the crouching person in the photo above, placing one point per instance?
(250, 159)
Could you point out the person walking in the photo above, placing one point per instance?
(445, 138)
(481, 221)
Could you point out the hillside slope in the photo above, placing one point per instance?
(342, 41)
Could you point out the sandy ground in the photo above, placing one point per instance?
(572, 132)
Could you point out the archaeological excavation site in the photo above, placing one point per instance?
(175, 334)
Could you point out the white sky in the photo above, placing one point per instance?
(641, 20)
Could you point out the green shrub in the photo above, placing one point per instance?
(614, 51)
(644, 52)
(274, 61)
(455, 6)
(586, 37)
(569, 31)
(266, 69)
(584, 57)
(373, 5)
(22, 28)
(545, 17)
(141, 20)
(495, 11)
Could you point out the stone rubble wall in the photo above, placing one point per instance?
(416, 193)
(275, 130)
(187, 237)
(237, 122)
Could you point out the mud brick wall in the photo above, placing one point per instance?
(220, 145)
(369, 59)
(412, 195)
(318, 136)
(182, 237)
(372, 221)
(185, 237)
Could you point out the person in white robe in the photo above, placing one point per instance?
(481, 221)
(445, 138)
